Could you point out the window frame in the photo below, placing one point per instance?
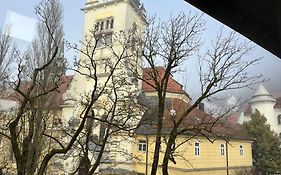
(197, 148)
(222, 149)
(105, 24)
(142, 146)
(101, 25)
(241, 150)
(111, 26)
(104, 39)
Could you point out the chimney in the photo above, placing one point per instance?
(201, 106)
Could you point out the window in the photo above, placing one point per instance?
(222, 150)
(104, 39)
(97, 26)
(279, 119)
(142, 145)
(280, 135)
(105, 24)
(111, 23)
(108, 39)
(241, 150)
(101, 25)
(197, 149)
(140, 173)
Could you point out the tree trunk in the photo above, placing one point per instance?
(168, 151)
(158, 136)
(84, 166)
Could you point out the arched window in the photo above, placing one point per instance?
(279, 119)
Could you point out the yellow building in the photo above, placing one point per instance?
(198, 156)
(226, 151)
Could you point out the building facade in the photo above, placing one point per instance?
(197, 157)
(224, 151)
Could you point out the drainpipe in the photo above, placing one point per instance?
(226, 153)
(146, 157)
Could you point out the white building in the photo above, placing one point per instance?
(270, 107)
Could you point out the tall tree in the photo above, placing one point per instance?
(223, 67)
(266, 144)
(37, 136)
(35, 86)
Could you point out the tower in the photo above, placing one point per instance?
(263, 101)
(106, 20)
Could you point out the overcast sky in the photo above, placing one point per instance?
(20, 15)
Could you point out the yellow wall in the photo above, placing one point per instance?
(208, 162)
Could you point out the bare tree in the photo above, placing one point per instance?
(170, 44)
(7, 52)
(37, 136)
(30, 129)
(35, 86)
(223, 67)
(115, 110)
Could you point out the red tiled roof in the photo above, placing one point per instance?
(55, 97)
(233, 118)
(179, 106)
(196, 119)
(173, 85)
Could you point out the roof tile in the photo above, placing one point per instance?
(173, 85)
